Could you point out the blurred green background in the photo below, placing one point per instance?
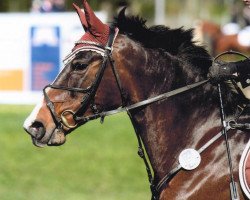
(97, 162)
(208, 9)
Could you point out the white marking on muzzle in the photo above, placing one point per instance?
(33, 115)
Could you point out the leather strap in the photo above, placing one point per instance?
(143, 103)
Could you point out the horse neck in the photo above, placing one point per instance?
(169, 126)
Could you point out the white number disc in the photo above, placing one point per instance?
(189, 159)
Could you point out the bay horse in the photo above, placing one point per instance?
(144, 71)
(217, 41)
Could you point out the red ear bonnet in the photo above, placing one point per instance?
(81, 16)
(96, 31)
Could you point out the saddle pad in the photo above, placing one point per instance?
(244, 170)
(244, 37)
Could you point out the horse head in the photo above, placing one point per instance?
(84, 87)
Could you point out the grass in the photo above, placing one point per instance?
(97, 162)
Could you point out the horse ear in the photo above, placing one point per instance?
(95, 26)
(82, 17)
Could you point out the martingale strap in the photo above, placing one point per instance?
(141, 153)
(174, 171)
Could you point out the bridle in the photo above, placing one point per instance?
(88, 101)
(89, 92)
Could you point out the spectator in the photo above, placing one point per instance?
(45, 6)
(58, 5)
(36, 5)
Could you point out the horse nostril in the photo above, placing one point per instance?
(37, 130)
(37, 125)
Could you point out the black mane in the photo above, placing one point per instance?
(177, 42)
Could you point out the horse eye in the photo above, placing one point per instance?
(79, 66)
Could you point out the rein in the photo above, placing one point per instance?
(146, 102)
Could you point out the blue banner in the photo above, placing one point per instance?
(45, 55)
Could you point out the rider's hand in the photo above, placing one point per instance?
(221, 71)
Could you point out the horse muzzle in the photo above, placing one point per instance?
(42, 136)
